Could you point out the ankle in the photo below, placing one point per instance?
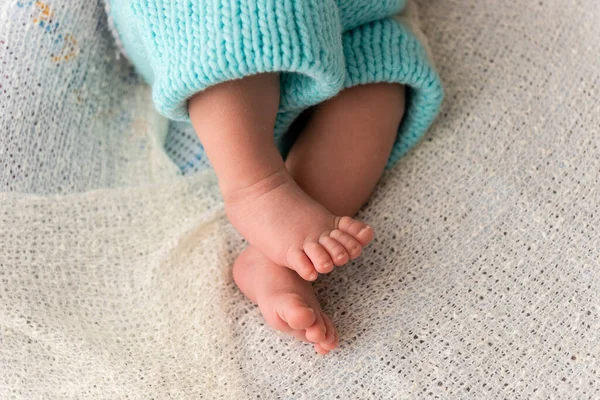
(255, 185)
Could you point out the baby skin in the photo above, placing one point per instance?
(296, 214)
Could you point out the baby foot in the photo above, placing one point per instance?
(292, 229)
(287, 302)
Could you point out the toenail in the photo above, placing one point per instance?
(365, 228)
(328, 265)
(341, 257)
(356, 249)
(313, 276)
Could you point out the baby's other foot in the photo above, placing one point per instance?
(287, 302)
(292, 229)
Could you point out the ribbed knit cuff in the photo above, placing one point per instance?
(387, 51)
(194, 44)
(359, 12)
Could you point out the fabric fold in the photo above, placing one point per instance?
(185, 46)
(354, 13)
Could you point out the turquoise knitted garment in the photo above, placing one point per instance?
(319, 47)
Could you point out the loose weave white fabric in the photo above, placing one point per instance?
(483, 281)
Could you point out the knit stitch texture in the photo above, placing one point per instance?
(483, 282)
(182, 47)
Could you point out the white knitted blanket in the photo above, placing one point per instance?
(483, 282)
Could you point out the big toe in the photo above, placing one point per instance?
(294, 311)
(360, 231)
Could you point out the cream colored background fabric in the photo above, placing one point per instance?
(483, 281)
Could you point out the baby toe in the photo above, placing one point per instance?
(336, 251)
(299, 262)
(317, 333)
(296, 313)
(319, 257)
(300, 335)
(319, 349)
(331, 346)
(330, 336)
(352, 246)
(360, 231)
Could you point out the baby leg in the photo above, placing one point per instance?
(235, 122)
(342, 152)
(338, 161)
